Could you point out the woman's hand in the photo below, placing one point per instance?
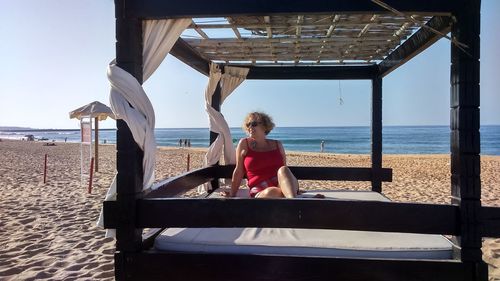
(226, 194)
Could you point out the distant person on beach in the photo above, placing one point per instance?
(189, 142)
(180, 142)
(263, 160)
(322, 146)
(185, 142)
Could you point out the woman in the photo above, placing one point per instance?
(263, 161)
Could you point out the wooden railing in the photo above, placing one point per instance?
(182, 183)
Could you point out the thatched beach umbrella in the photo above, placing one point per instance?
(99, 112)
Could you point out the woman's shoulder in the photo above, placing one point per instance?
(243, 142)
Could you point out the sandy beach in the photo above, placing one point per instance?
(48, 232)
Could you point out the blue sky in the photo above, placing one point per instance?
(54, 55)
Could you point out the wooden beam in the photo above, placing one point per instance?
(281, 49)
(490, 222)
(376, 132)
(267, 20)
(233, 26)
(227, 42)
(341, 173)
(362, 58)
(298, 213)
(201, 32)
(128, 154)
(414, 45)
(297, 45)
(159, 9)
(321, 54)
(96, 141)
(365, 29)
(236, 32)
(216, 98)
(177, 185)
(389, 24)
(300, 64)
(313, 72)
(298, 31)
(157, 265)
(465, 124)
(190, 56)
(332, 55)
(323, 173)
(330, 30)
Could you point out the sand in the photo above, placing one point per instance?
(47, 231)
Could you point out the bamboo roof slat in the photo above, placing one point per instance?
(203, 34)
(261, 41)
(312, 60)
(325, 53)
(298, 34)
(236, 32)
(267, 20)
(334, 56)
(300, 19)
(293, 26)
(234, 28)
(296, 38)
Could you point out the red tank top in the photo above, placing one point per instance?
(262, 165)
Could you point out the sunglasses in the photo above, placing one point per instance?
(253, 124)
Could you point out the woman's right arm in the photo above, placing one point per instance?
(239, 170)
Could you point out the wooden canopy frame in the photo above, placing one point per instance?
(465, 218)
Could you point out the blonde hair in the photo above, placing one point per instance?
(267, 121)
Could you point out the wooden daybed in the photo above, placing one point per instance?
(465, 219)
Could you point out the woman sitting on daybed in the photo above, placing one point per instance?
(263, 160)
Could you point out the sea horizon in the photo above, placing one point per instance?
(17, 128)
(397, 139)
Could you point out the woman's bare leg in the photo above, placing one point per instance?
(289, 185)
(270, 192)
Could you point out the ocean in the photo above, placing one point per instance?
(352, 140)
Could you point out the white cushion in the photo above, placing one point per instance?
(308, 242)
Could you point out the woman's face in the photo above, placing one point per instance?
(254, 127)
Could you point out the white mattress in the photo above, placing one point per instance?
(307, 242)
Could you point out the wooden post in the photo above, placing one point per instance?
(91, 176)
(45, 170)
(96, 156)
(216, 105)
(129, 156)
(376, 133)
(465, 141)
(216, 98)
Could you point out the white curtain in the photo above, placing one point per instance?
(159, 36)
(230, 80)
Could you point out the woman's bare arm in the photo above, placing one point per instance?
(239, 170)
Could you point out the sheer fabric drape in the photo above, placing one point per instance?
(159, 36)
(229, 81)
